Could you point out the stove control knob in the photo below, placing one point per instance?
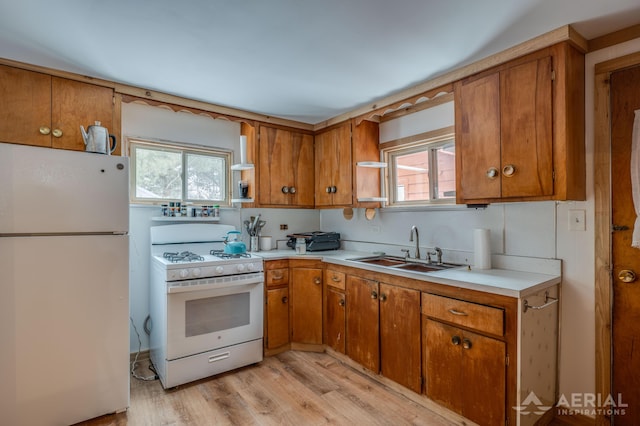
(219, 269)
(184, 273)
(250, 266)
(196, 272)
(240, 267)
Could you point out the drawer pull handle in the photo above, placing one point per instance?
(219, 357)
(460, 313)
(335, 279)
(278, 277)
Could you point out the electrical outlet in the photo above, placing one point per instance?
(577, 220)
(284, 227)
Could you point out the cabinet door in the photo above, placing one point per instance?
(25, 107)
(363, 345)
(286, 161)
(484, 381)
(333, 167)
(527, 129)
(74, 104)
(277, 317)
(444, 377)
(465, 372)
(335, 319)
(306, 305)
(478, 138)
(400, 328)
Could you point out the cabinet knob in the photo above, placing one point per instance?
(277, 277)
(466, 343)
(292, 190)
(383, 297)
(509, 170)
(328, 190)
(335, 279)
(285, 299)
(627, 276)
(285, 189)
(317, 280)
(455, 340)
(374, 294)
(341, 302)
(44, 130)
(334, 189)
(492, 173)
(56, 133)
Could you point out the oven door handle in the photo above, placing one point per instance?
(213, 283)
(219, 357)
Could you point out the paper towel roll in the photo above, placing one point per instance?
(482, 248)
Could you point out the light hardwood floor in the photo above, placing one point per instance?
(292, 388)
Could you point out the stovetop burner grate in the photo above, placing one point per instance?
(222, 255)
(185, 256)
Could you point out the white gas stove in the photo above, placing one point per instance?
(206, 306)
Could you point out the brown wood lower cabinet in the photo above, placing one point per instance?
(335, 310)
(306, 305)
(465, 372)
(400, 350)
(277, 317)
(363, 331)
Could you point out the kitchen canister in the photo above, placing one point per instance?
(265, 243)
(482, 248)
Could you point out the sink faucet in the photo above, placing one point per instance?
(437, 251)
(414, 229)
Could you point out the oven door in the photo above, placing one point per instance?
(213, 316)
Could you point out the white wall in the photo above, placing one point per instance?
(161, 123)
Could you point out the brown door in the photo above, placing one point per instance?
(306, 305)
(335, 321)
(74, 104)
(333, 167)
(363, 344)
(277, 317)
(400, 336)
(526, 129)
(444, 375)
(625, 99)
(478, 138)
(25, 107)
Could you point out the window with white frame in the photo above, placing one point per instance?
(421, 172)
(175, 172)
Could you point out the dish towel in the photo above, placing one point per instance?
(635, 177)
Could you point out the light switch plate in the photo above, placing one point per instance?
(577, 220)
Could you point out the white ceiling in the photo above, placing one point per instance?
(296, 59)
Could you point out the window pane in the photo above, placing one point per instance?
(158, 173)
(205, 177)
(446, 160)
(412, 176)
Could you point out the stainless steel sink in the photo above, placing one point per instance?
(400, 263)
(381, 260)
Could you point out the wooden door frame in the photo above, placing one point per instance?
(602, 192)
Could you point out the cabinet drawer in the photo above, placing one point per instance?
(335, 279)
(467, 314)
(277, 277)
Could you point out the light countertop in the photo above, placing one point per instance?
(505, 282)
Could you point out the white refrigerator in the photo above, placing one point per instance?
(64, 285)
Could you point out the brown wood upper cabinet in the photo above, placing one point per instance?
(333, 167)
(520, 130)
(340, 182)
(43, 110)
(285, 168)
